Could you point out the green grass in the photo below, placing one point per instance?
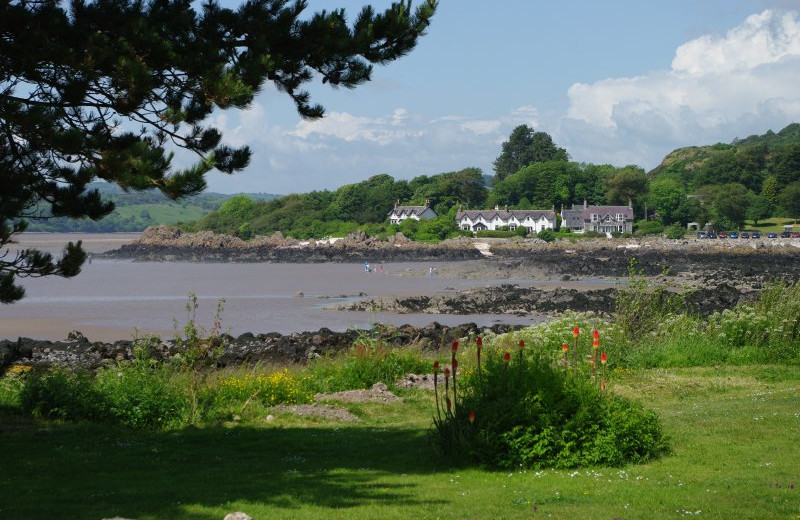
(770, 225)
(164, 213)
(734, 433)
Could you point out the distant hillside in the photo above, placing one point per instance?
(747, 161)
(136, 210)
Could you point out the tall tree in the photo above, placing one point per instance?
(626, 184)
(525, 147)
(108, 89)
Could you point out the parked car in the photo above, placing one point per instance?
(723, 234)
(744, 234)
(755, 234)
(785, 234)
(702, 234)
(733, 234)
(795, 234)
(772, 235)
(712, 234)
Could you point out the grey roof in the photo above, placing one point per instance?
(607, 210)
(504, 214)
(572, 217)
(408, 210)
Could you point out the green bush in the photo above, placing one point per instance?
(529, 412)
(548, 235)
(60, 393)
(488, 233)
(675, 231)
(367, 362)
(649, 227)
(142, 395)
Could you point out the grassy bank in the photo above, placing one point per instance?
(734, 431)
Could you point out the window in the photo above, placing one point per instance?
(620, 217)
(512, 227)
(594, 217)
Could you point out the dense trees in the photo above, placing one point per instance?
(525, 147)
(107, 89)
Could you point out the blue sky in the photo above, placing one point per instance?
(615, 82)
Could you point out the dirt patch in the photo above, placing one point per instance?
(324, 411)
(378, 393)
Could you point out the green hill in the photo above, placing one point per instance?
(135, 211)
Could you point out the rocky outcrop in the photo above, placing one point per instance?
(247, 348)
(169, 244)
(514, 299)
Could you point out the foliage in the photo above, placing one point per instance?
(548, 235)
(111, 89)
(522, 410)
(649, 227)
(367, 362)
(675, 231)
(61, 393)
(640, 308)
(626, 184)
(551, 184)
(523, 148)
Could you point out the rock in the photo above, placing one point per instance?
(238, 515)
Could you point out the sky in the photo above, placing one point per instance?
(615, 82)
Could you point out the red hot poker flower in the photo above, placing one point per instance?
(596, 343)
(603, 358)
(435, 366)
(564, 347)
(576, 331)
(479, 342)
(507, 357)
(596, 334)
(521, 343)
(471, 416)
(454, 346)
(446, 371)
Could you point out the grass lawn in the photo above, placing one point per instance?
(735, 433)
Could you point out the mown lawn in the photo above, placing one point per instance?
(735, 433)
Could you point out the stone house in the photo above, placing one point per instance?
(602, 219)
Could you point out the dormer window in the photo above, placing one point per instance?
(620, 217)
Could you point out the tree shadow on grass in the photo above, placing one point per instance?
(95, 472)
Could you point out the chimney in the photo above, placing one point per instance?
(397, 203)
(630, 203)
(584, 204)
(427, 202)
(496, 207)
(506, 207)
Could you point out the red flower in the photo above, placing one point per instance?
(471, 416)
(435, 366)
(479, 342)
(564, 347)
(576, 331)
(454, 346)
(446, 371)
(603, 358)
(596, 343)
(596, 334)
(507, 357)
(521, 343)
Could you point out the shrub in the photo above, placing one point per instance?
(546, 234)
(60, 393)
(675, 231)
(367, 362)
(523, 410)
(648, 227)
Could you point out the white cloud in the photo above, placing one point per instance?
(718, 88)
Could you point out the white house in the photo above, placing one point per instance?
(401, 213)
(603, 219)
(534, 220)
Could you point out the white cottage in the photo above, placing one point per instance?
(401, 213)
(533, 220)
